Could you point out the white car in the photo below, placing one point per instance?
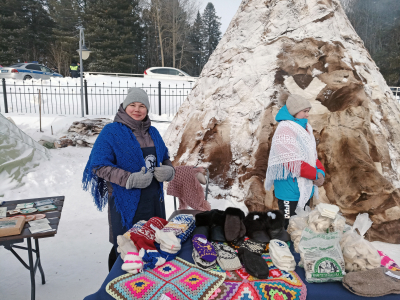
(26, 71)
(168, 74)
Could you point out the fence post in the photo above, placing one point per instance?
(5, 96)
(86, 97)
(159, 98)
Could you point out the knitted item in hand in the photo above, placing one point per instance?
(132, 263)
(227, 258)
(201, 263)
(151, 259)
(167, 256)
(204, 248)
(168, 241)
(125, 245)
(373, 283)
(145, 236)
(188, 189)
(136, 227)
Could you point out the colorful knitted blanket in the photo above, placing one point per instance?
(177, 279)
(280, 285)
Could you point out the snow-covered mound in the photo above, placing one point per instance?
(19, 153)
(278, 47)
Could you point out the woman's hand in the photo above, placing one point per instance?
(164, 173)
(139, 180)
(320, 181)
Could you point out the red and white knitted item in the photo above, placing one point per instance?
(145, 236)
(132, 263)
(188, 189)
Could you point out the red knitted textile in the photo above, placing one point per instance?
(188, 189)
(145, 236)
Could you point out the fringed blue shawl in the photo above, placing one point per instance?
(118, 147)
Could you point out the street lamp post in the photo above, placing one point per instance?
(83, 54)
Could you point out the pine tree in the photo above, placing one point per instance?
(211, 31)
(66, 15)
(13, 31)
(111, 28)
(196, 44)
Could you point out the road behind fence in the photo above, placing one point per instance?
(99, 99)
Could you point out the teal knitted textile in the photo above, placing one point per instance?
(118, 147)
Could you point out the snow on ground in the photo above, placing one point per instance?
(75, 261)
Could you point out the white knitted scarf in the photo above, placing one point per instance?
(291, 145)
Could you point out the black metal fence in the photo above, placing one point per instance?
(63, 98)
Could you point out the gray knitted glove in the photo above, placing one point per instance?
(320, 180)
(139, 180)
(164, 173)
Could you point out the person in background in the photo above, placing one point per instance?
(74, 70)
(293, 166)
(127, 167)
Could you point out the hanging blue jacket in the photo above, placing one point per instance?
(288, 190)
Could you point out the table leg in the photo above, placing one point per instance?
(40, 261)
(31, 268)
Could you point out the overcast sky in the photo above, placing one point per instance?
(225, 9)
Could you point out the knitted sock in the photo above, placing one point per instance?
(125, 245)
(281, 252)
(168, 241)
(254, 264)
(204, 248)
(201, 263)
(167, 256)
(145, 236)
(132, 263)
(227, 258)
(373, 283)
(151, 259)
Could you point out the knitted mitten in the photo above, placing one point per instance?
(201, 263)
(135, 228)
(166, 255)
(145, 236)
(132, 263)
(254, 246)
(168, 241)
(204, 248)
(281, 256)
(227, 258)
(125, 245)
(373, 283)
(254, 264)
(151, 259)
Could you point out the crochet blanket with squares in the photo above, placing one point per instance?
(176, 279)
(280, 285)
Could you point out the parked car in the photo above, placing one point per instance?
(26, 71)
(168, 74)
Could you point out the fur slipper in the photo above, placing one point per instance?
(209, 218)
(276, 223)
(217, 234)
(234, 227)
(256, 224)
(204, 230)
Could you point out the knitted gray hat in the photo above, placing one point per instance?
(296, 103)
(136, 95)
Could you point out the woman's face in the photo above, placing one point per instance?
(136, 111)
(303, 114)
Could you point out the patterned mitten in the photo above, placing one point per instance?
(168, 241)
(201, 263)
(125, 245)
(254, 246)
(151, 258)
(204, 248)
(227, 258)
(145, 236)
(132, 263)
